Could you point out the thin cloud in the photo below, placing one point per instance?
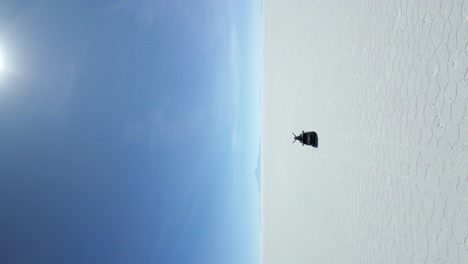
(234, 62)
(152, 11)
(258, 170)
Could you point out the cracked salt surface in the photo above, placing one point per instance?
(385, 85)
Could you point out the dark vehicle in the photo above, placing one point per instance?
(307, 138)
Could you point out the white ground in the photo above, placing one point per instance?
(385, 85)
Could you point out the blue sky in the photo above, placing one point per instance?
(130, 131)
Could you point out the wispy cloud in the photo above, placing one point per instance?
(162, 126)
(218, 31)
(258, 170)
(167, 126)
(234, 63)
(152, 11)
(66, 90)
(147, 11)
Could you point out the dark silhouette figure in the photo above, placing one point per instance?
(307, 138)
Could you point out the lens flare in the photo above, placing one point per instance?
(2, 62)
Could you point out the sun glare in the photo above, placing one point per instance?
(2, 62)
